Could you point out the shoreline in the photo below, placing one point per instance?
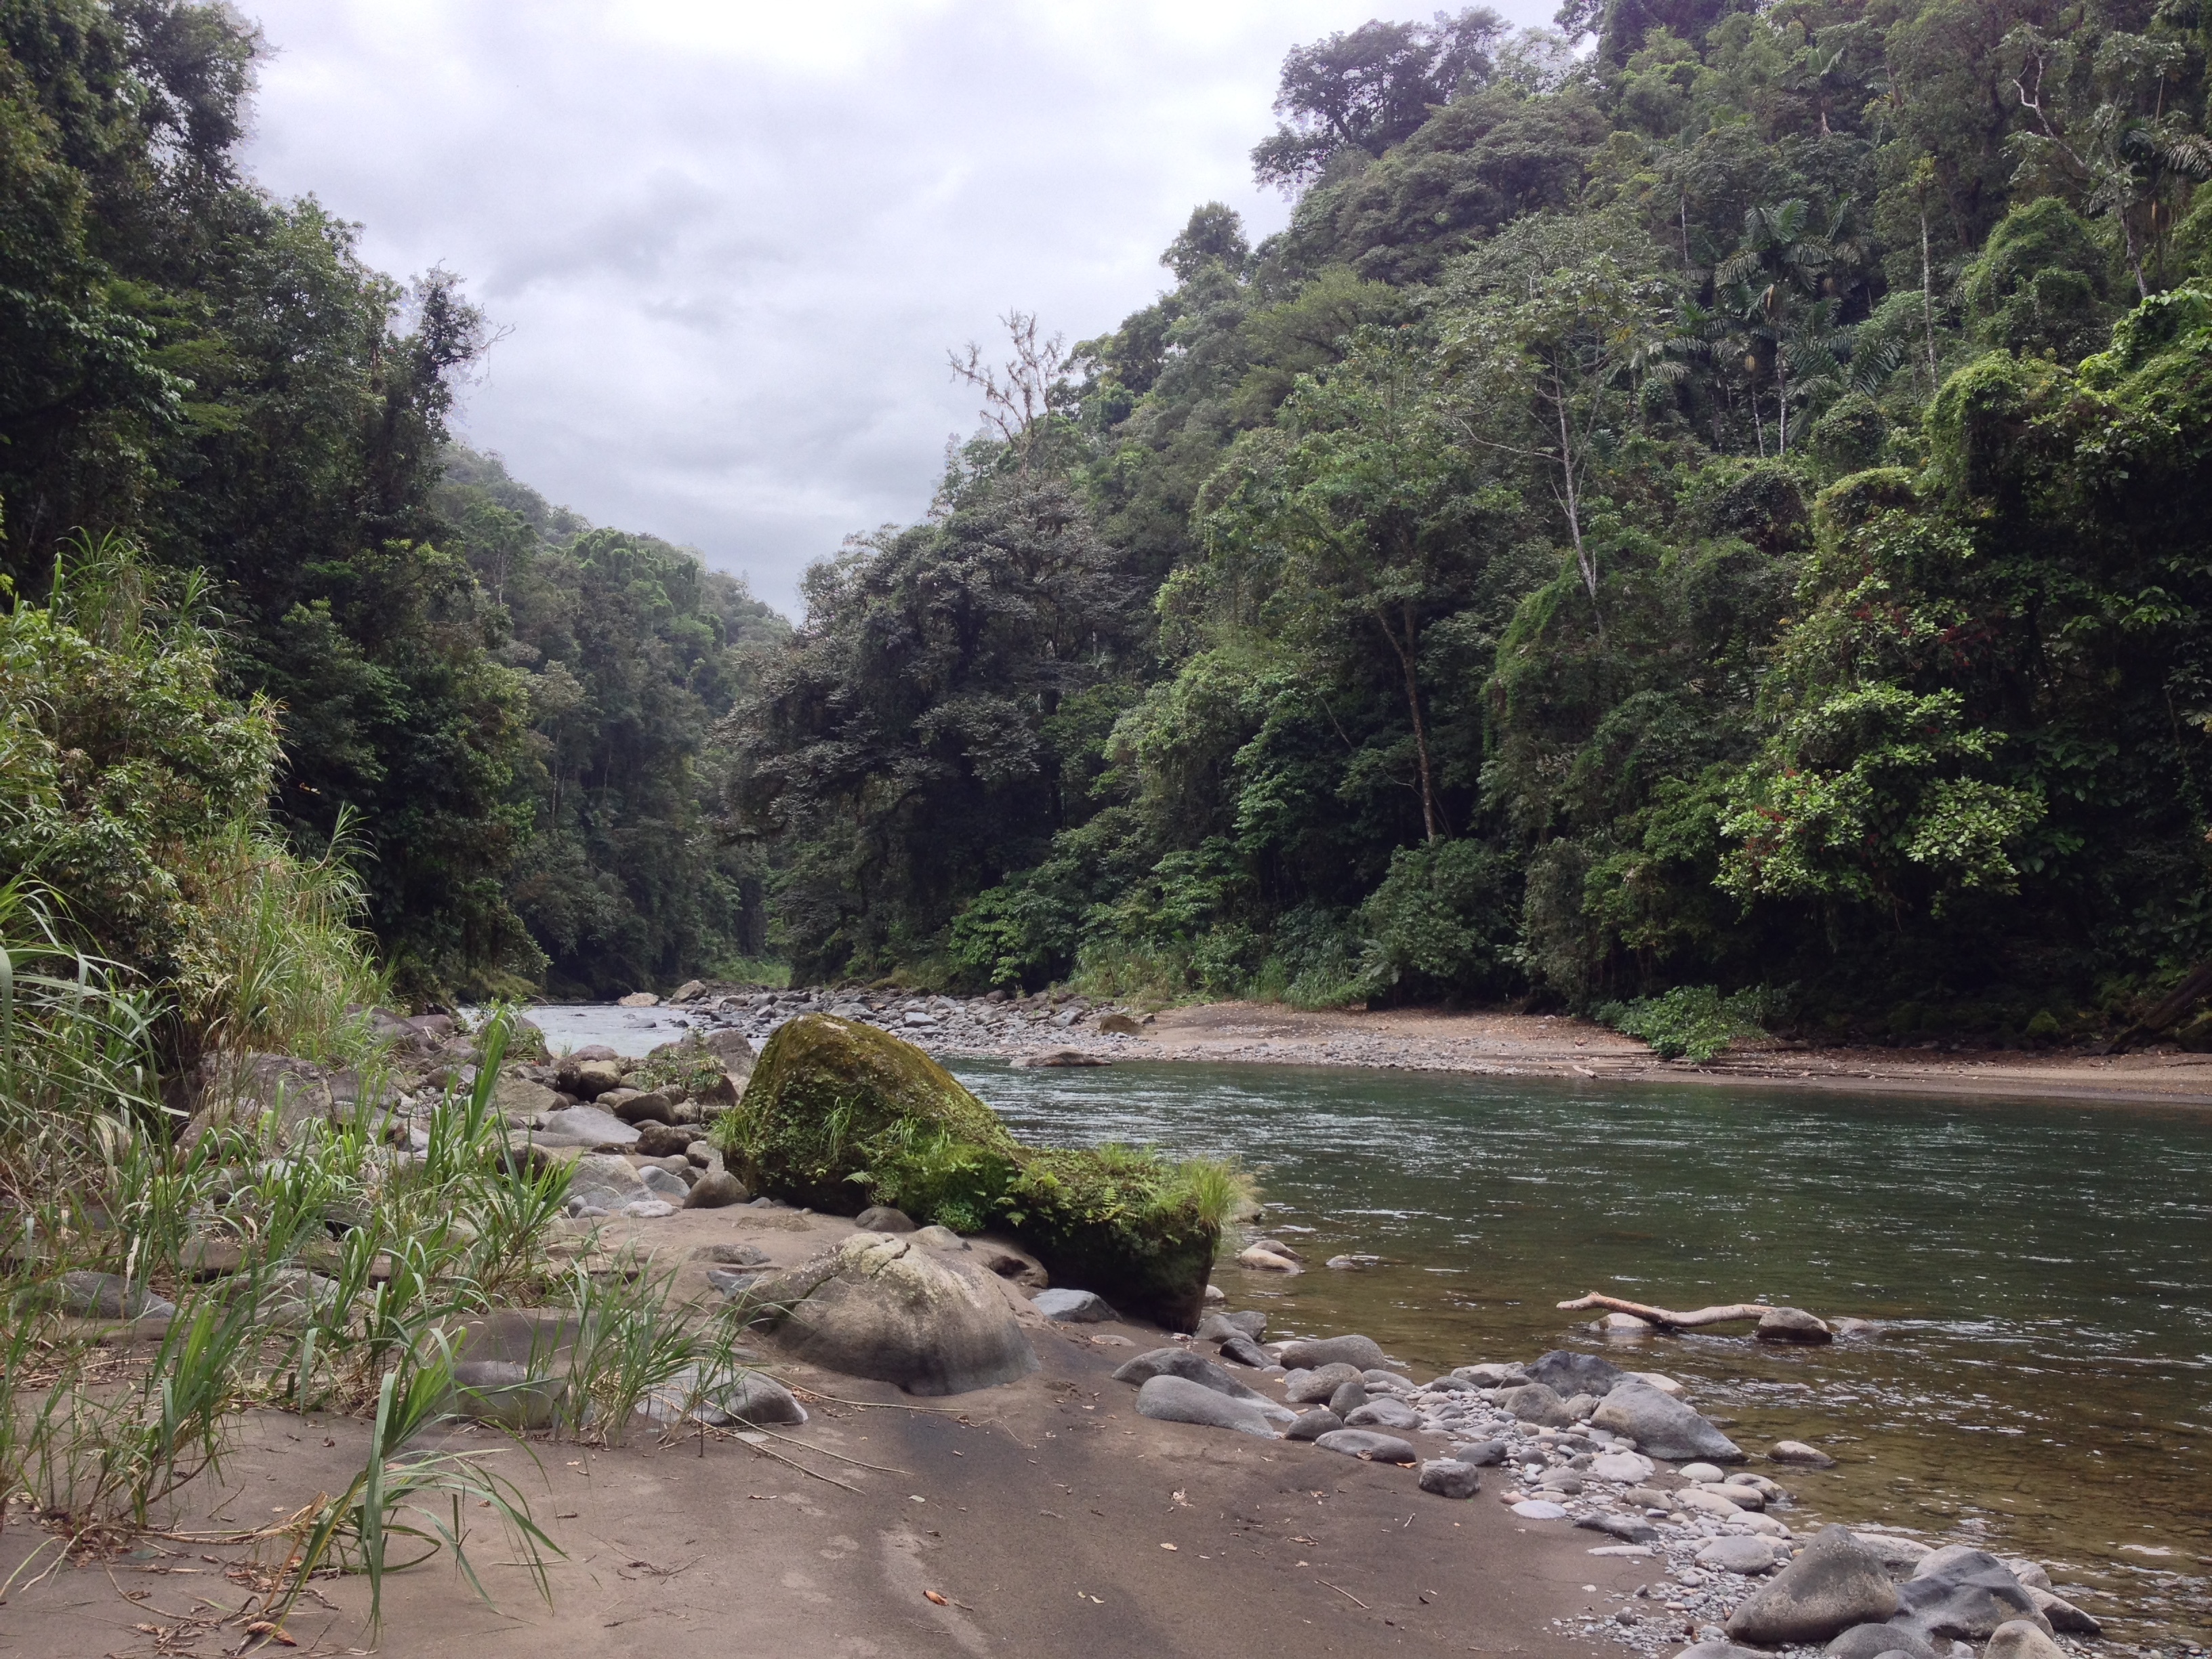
(1035, 1030)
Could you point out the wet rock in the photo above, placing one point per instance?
(2062, 1614)
(1059, 1057)
(878, 1307)
(717, 1189)
(1662, 1426)
(1792, 1325)
(1220, 1327)
(1448, 1477)
(1493, 1376)
(1964, 1593)
(1567, 1374)
(1366, 1444)
(1181, 1362)
(1170, 1399)
(1835, 1583)
(1747, 1556)
(1358, 1351)
(1311, 1425)
(1266, 1261)
(1074, 1307)
(1533, 1402)
(1797, 1451)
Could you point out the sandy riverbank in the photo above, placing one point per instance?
(1526, 1045)
(1037, 1510)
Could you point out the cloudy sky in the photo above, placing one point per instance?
(731, 243)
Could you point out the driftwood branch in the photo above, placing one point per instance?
(2193, 988)
(1726, 1314)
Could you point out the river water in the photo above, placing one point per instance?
(2043, 1272)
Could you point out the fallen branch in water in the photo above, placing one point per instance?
(1726, 1314)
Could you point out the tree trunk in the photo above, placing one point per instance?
(1928, 299)
(1429, 822)
(1729, 1313)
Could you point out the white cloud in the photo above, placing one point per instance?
(731, 243)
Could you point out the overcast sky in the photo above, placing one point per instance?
(730, 244)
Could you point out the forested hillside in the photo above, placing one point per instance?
(501, 710)
(1713, 496)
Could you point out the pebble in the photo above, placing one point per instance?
(1535, 1508)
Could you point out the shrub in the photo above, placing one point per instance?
(1691, 1022)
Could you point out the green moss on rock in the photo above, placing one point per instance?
(840, 1115)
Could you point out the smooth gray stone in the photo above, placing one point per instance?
(1629, 1528)
(717, 1189)
(110, 1296)
(506, 1392)
(882, 1219)
(1074, 1307)
(1662, 1426)
(1533, 1402)
(1360, 1351)
(661, 1184)
(1383, 1415)
(1311, 1425)
(1375, 1447)
(1315, 1387)
(588, 1126)
(1747, 1554)
(1349, 1398)
(1835, 1583)
(1169, 1398)
(2016, 1638)
(1567, 1374)
(1964, 1593)
(1221, 1327)
(1448, 1478)
(1873, 1641)
(1481, 1453)
(1245, 1351)
(730, 1282)
(1181, 1362)
(731, 1256)
(1493, 1376)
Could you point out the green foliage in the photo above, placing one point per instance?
(1691, 1022)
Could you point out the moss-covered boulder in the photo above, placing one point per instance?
(839, 1115)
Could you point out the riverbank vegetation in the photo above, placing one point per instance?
(1699, 503)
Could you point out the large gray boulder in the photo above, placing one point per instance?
(1316, 1386)
(1835, 1583)
(1227, 1326)
(1567, 1374)
(1074, 1307)
(1358, 1351)
(878, 1306)
(605, 1182)
(1169, 1398)
(1964, 1595)
(584, 1126)
(1447, 1477)
(1873, 1641)
(1662, 1426)
(1192, 1368)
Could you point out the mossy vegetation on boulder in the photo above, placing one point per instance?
(839, 1116)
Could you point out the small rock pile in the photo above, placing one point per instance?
(1576, 1441)
(1048, 1029)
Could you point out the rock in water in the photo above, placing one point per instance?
(1266, 1261)
(829, 1096)
(1567, 1374)
(1072, 1307)
(2017, 1639)
(1792, 1325)
(1178, 1399)
(1192, 1368)
(1964, 1595)
(1797, 1451)
(1375, 1448)
(1533, 1402)
(1447, 1477)
(1358, 1351)
(1662, 1426)
(2063, 1614)
(1835, 1583)
(878, 1307)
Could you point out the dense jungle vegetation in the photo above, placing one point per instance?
(1711, 499)
(1708, 500)
(209, 406)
